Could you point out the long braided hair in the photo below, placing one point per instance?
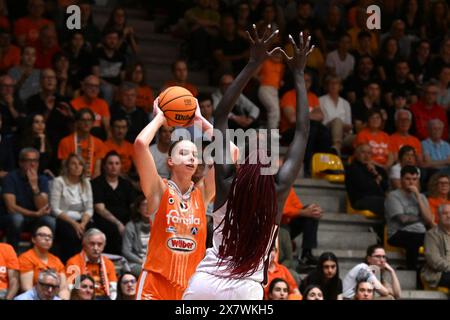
(249, 220)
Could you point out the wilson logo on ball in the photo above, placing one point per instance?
(182, 117)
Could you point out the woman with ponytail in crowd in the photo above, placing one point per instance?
(248, 204)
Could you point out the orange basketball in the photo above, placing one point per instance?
(178, 105)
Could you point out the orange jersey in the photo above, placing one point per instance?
(30, 29)
(271, 73)
(98, 106)
(292, 207)
(397, 141)
(177, 242)
(77, 265)
(8, 261)
(378, 142)
(29, 261)
(144, 99)
(280, 272)
(125, 151)
(289, 100)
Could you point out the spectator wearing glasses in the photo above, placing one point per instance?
(46, 287)
(438, 193)
(85, 289)
(126, 290)
(38, 258)
(25, 194)
(374, 270)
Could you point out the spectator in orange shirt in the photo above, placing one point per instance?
(90, 99)
(180, 77)
(278, 290)
(38, 259)
(9, 272)
(270, 76)
(46, 47)
(26, 29)
(319, 139)
(117, 142)
(438, 193)
(277, 270)
(83, 143)
(403, 121)
(9, 53)
(377, 139)
(93, 262)
(137, 75)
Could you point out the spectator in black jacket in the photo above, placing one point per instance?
(365, 182)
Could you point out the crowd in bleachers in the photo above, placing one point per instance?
(73, 101)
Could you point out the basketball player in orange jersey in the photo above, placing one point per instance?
(177, 241)
(249, 204)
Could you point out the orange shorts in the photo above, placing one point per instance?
(153, 286)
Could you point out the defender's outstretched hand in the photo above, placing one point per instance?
(260, 46)
(298, 61)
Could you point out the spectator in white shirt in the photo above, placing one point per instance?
(340, 62)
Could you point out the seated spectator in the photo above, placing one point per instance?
(244, 114)
(26, 29)
(401, 137)
(436, 270)
(332, 29)
(25, 75)
(127, 108)
(89, 28)
(340, 62)
(243, 22)
(117, 143)
(298, 218)
(80, 58)
(386, 58)
(364, 73)
(407, 215)
(126, 287)
(272, 15)
(38, 258)
(127, 39)
(443, 97)
(85, 289)
(364, 291)
(270, 76)
(61, 64)
(160, 150)
(9, 272)
(420, 61)
(427, 109)
(109, 64)
(286, 252)
(93, 262)
(337, 113)
(113, 196)
(364, 43)
(404, 40)
(9, 53)
(370, 101)
(313, 292)
(437, 23)
(47, 287)
(136, 236)
(276, 270)
(180, 77)
(203, 24)
(436, 150)
(407, 156)
(11, 107)
(25, 194)
(56, 109)
(46, 47)
(378, 140)
(7, 159)
(90, 100)
(34, 136)
(319, 138)
(438, 193)
(326, 277)
(278, 290)
(400, 82)
(230, 51)
(374, 270)
(399, 100)
(71, 201)
(137, 75)
(83, 143)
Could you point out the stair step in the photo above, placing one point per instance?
(423, 295)
(331, 240)
(326, 202)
